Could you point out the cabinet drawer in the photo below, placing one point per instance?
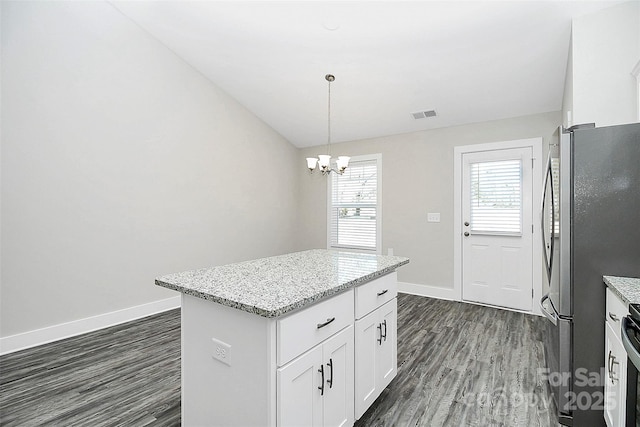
(616, 310)
(300, 331)
(375, 293)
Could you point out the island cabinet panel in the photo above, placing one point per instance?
(376, 354)
(228, 366)
(316, 388)
(304, 329)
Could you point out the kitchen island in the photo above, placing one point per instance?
(307, 338)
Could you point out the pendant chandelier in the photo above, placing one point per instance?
(324, 160)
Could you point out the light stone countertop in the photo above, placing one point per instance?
(627, 288)
(271, 287)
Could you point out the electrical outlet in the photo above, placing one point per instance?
(433, 217)
(221, 351)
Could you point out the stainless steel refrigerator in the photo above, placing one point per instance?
(591, 227)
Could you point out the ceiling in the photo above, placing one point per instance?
(471, 61)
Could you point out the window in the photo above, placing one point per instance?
(354, 205)
(496, 197)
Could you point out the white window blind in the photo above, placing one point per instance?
(496, 197)
(353, 212)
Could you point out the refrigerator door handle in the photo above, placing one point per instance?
(553, 317)
(548, 182)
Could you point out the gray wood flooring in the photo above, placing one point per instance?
(458, 365)
(465, 365)
(126, 375)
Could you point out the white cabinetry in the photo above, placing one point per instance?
(615, 358)
(240, 369)
(375, 340)
(316, 389)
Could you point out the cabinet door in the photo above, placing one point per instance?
(366, 339)
(387, 360)
(299, 400)
(338, 386)
(615, 386)
(376, 355)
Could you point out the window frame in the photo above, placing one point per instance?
(378, 249)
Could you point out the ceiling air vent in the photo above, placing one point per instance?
(424, 114)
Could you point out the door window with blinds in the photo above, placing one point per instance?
(496, 197)
(354, 205)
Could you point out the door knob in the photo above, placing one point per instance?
(466, 223)
(466, 233)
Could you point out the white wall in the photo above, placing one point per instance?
(417, 171)
(567, 96)
(121, 163)
(605, 49)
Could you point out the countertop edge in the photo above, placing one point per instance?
(626, 288)
(289, 308)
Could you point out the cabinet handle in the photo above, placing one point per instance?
(383, 292)
(614, 317)
(322, 325)
(330, 380)
(385, 330)
(321, 387)
(613, 363)
(380, 331)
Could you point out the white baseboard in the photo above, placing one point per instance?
(49, 334)
(447, 294)
(427, 291)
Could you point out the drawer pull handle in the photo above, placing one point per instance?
(613, 317)
(613, 372)
(383, 292)
(330, 380)
(321, 386)
(322, 325)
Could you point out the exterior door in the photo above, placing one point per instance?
(497, 254)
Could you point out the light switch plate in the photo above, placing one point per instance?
(433, 217)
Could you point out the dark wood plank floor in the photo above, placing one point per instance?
(458, 365)
(465, 365)
(126, 375)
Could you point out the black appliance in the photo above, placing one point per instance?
(631, 341)
(591, 228)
